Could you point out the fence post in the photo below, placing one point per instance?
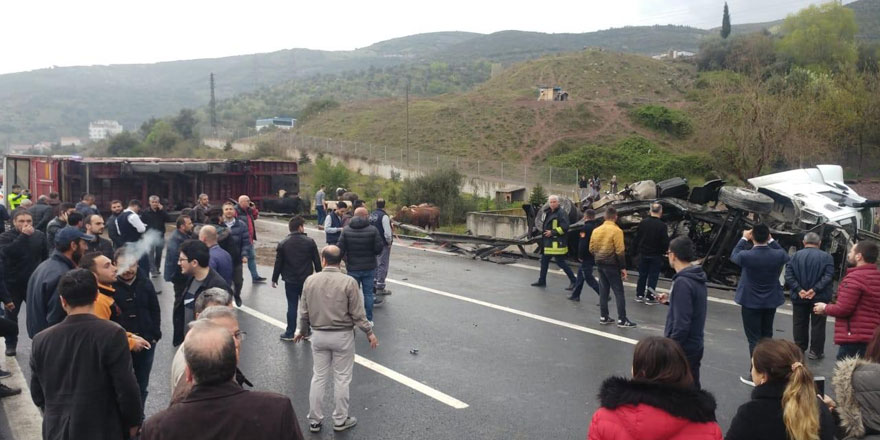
(551, 177)
(525, 175)
(419, 160)
(478, 169)
(386, 153)
(502, 171)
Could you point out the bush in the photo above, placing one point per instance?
(657, 117)
(334, 176)
(441, 187)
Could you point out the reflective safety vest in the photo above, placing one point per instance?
(556, 244)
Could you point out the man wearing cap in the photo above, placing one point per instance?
(43, 306)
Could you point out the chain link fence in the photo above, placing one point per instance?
(494, 175)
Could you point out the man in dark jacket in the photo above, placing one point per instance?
(155, 218)
(200, 211)
(809, 275)
(86, 206)
(42, 212)
(652, 240)
(23, 248)
(295, 259)
(81, 370)
(182, 233)
(687, 299)
(221, 261)
(95, 227)
(43, 308)
(112, 232)
(194, 264)
(360, 243)
(136, 297)
(382, 222)
(234, 239)
(554, 245)
(61, 212)
(758, 291)
(857, 310)
(217, 407)
(585, 273)
(333, 222)
(248, 213)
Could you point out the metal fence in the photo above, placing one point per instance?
(499, 173)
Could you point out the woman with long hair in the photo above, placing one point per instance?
(660, 402)
(784, 402)
(857, 387)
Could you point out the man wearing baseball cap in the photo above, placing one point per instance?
(43, 305)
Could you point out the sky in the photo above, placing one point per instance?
(41, 34)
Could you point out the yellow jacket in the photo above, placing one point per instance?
(606, 245)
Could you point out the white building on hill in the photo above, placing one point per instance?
(103, 129)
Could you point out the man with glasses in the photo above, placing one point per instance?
(194, 261)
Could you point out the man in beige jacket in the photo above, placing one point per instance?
(332, 305)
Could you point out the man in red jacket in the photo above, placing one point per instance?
(858, 302)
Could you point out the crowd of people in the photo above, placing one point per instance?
(91, 301)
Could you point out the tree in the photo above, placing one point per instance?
(162, 137)
(725, 22)
(185, 123)
(334, 176)
(538, 195)
(122, 144)
(821, 37)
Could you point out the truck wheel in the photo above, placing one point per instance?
(745, 199)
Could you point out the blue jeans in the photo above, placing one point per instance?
(252, 262)
(321, 213)
(560, 261)
(649, 273)
(365, 280)
(293, 291)
(585, 274)
(142, 362)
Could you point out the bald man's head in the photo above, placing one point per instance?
(208, 235)
(362, 212)
(209, 350)
(331, 255)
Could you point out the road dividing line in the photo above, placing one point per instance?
(569, 325)
(385, 371)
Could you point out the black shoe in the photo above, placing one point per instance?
(259, 280)
(570, 287)
(626, 323)
(815, 356)
(315, 427)
(574, 298)
(5, 391)
(605, 320)
(539, 284)
(10, 351)
(650, 300)
(640, 299)
(378, 301)
(238, 301)
(287, 336)
(4, 374)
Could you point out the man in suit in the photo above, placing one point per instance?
(758, 292)
(217, 407)
(82, 377)
(809, 275)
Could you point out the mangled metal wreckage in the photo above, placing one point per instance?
(791, 203)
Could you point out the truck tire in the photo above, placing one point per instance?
(745, 199)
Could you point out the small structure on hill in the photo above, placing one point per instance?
(552, 94)
(510, 194)
(281, 122)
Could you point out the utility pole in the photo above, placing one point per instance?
(213, 107)
(407, 122)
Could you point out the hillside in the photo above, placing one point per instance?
(867, 14)
(502, 118)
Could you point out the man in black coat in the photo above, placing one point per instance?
(42, 212)
(194, 260)
(687, 299)
(585, 273)
(295, 259)
(554, 244)
(809, 276)
(81, 370)
(360, 243)
(155, 218)
(652, 240)
(217, 407)
(23, 249)
(43, 308)
(95, 227)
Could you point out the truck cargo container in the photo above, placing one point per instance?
(178, 182)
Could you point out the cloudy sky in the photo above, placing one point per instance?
(39, 34)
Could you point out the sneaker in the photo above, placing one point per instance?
(378, 301)
(747, 381)
(10, 351)
(640, 299)
(237, 301)
(383, 292)
(259, 280)
(625, 323)
(651, 301)
(348, 423)
(815, 356)
(605, 320)
(539, 284)
(315, 427)
(574, 298)
(4, 374)
(287, 336)
(5, 391)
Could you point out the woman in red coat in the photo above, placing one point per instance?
(660, 402)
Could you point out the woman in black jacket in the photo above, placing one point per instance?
(784, 402)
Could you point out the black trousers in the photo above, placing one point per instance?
(11, 316)
(758, 324)
(695, 359)
(8, 329)
(808, 328)
(610, 280)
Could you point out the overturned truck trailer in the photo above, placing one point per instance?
(178, 182)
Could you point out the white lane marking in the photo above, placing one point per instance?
(385, 371)
(25, 420)
(579, 328)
